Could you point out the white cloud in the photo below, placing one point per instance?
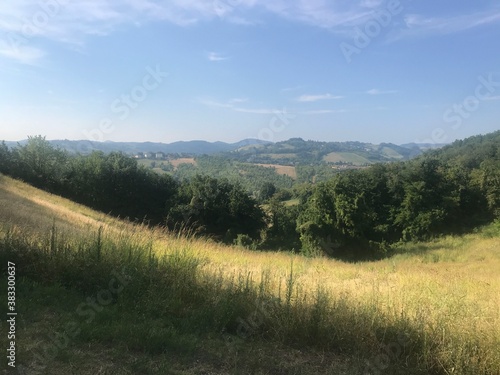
(315, 98)
(492, 98)
(381, 92)
(371, 3)
(322, 111)
(289, 89)
(72, 21)
(24, 54)
(420, 25)
(231, 104)
(214, 57)
(238, 100)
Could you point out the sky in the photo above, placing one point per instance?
(397, 71)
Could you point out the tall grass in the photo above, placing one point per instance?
(432, 308)
(178, 294)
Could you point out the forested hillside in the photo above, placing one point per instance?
(298, 151)
(355, 213)
(451, 190)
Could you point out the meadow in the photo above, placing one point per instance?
(102, 295)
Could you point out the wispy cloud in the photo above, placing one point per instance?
(421, 25)
(381, 92)
(322, 111)
(74, 21)
(290, 89)
(215, 57)
(24, 55)
(237, 100)
(371, 3)
(315, 98)
(232, 105)
(492, 98)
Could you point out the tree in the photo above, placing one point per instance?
(5, 159)
(40, 164)
(267, 190)
(217, 207)
(281, 230)
(490, 184)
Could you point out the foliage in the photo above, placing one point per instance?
(281, 233)
(217, 207)
(350, 214)
(447, 191)
(114, 183)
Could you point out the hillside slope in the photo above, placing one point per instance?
(195, 307)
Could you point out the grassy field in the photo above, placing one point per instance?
(97, 295)
(282, 169)
(175, 163)
(346, 157)
(179, 161)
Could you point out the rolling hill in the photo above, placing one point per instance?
(291, 152)
(101, 295)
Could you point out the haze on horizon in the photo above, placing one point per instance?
(226, 70)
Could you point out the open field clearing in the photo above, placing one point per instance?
(346, 157)
(192, 306)
(282, 169)
(179, 161)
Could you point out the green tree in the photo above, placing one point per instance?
(267, 191)
(428, 201)
(281, 233)
(5, 159)
(490, 184)
(39, 163)
(217, 207)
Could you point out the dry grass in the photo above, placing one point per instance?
(179, 161)
(282, 169)
(346, 157)
(448, 290)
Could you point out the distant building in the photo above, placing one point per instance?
(139, 155)
(160, 155)
(149, 155)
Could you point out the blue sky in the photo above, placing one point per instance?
(149, 70)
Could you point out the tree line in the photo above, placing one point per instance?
(355, 214)
(451, 190)
(114, 183)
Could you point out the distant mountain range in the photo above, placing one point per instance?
(132, 148)
(290, 152)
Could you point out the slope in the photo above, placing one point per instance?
(191, 306)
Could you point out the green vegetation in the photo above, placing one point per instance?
(114, 183)
(362, 213)
(252, 177)
(99, 295)
(298, 151)
(353, 214)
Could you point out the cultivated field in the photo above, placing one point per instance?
(282, 169)
(346, 157)
(192, 306)
(179, 161)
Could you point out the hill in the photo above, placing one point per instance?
(297, 151)
(100, 295)
(196, 147)
(291, 152)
